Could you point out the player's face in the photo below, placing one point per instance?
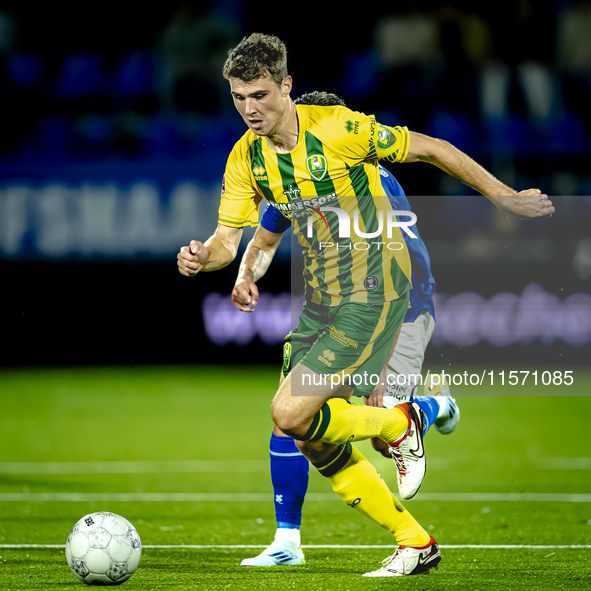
(261, 103)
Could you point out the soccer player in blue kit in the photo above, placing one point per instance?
(290, 468)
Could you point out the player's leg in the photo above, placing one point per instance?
(440, 409)
(403, 380)
(327, 442)
(437, 392)
(309, 405)
(289, 476)
(405, 366)
(359, 484)
(289, 468)
(406, 362)
(418, 552)
(355, 341)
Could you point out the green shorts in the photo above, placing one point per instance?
(348, 344)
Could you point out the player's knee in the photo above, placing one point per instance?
(287, 420)
(288, 425)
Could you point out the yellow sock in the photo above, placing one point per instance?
(339, 421)
(358, 483)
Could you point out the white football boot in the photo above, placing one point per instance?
(408, 452)
(449, 411)
(409, 561)
(284, 551)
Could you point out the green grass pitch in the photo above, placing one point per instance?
(182, 452)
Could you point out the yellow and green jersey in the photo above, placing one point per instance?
(334, 165)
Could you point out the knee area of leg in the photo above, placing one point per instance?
(287, 422)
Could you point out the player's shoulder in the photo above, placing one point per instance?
(321, 112)
(347, 132)
(334, 118)
(242, 148)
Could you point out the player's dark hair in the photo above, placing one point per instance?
(256, 56)
(320, 99)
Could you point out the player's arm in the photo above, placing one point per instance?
(239, 206)
(219, 250)
(530, 203)
(256, 260)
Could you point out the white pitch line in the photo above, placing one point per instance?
(230, 466)
(382, 546)
(137, 467)
(156, 497)
(325, 546)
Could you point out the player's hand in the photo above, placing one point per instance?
(531, 203)
(192, 258)
(245, 295)
(377, 396)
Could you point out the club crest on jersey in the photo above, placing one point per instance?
(286, 359)
(317, 167)
(386, 138)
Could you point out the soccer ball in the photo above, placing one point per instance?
(103, 549)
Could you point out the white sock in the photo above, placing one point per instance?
(289, 536)
(442, 403)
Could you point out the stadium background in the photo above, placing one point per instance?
(114, 131)
(116, 128)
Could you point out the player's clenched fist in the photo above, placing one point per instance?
(245, 294)
(192, 258)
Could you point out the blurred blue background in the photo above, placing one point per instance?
(116, 125)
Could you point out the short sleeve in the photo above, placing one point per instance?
(391, 143)
(240, 200)
(359, 137)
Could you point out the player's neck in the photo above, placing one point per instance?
(285, 138)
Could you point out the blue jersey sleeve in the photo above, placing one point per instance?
(423, 283)
(392, 187)
(273, 221)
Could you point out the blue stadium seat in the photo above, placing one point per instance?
(566, 135)
(52, 137)
(25, 70)
(161, 136)
(81, 75)
(133, 76)
(362, 77)
(511, 136)
(456, 128)
(93, 135)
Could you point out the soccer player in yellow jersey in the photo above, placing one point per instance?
(319, 167)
